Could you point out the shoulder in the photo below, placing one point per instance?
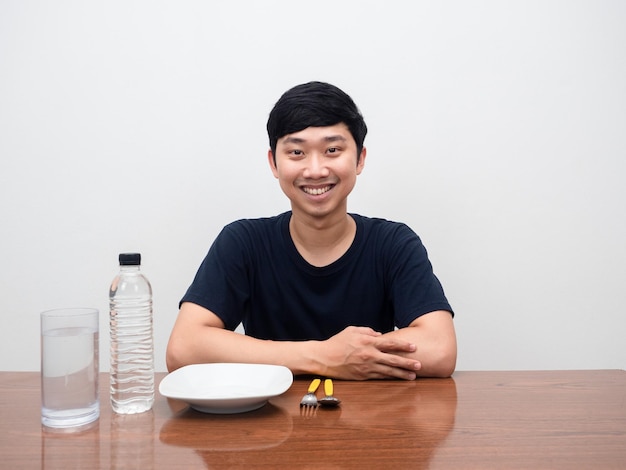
(258, 227)
(388, 240)
(249, 238)
(383, 228)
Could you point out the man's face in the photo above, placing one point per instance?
(317, 169)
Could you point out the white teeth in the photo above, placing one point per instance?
(316, 191)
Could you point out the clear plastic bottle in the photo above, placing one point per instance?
(132, 348)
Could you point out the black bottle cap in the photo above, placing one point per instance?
(130, 259)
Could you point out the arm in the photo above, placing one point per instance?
(199, 336)
(435, 337)
(356, 353)
(426, 348)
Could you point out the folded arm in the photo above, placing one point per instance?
(426, 348)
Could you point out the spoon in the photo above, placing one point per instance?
(329, 399)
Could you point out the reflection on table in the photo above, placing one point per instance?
(550, 419)
(390, 422)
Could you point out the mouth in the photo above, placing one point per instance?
(318, 190)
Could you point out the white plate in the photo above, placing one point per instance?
(226, 387)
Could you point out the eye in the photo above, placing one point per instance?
(333, 150)
(295, 154)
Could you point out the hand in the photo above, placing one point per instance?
(360, 353)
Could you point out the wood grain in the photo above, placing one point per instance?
(540, 419)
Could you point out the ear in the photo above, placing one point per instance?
(361, 163)
(270, 159)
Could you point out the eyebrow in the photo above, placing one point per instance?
(330, 138)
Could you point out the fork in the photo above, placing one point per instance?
(310, 400)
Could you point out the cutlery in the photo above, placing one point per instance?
(329, 399)
(310, 400)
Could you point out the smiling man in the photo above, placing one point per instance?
(318, 290)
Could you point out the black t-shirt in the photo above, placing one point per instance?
(253, 274)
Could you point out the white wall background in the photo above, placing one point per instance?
(497, 131)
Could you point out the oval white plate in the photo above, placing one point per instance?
(226, 387)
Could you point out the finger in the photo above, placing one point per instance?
(365, 330)
(389, 372)
(400, 362)
(392, 345)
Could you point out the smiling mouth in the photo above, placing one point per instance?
(317, 191)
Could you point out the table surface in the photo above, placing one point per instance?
(539, 419)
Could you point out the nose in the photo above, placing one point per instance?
(315, 167)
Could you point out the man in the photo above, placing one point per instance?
(318, 290)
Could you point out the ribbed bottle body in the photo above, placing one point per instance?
(132, 346)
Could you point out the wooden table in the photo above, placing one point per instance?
(564, 419)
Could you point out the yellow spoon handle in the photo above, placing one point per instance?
(314, 385)
(328, 387)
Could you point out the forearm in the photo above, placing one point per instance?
(435, 338)
(212, 344)
(426, 348)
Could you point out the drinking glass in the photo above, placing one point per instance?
(69, 368)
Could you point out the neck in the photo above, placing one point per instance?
(321, 242)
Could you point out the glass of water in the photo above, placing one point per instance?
(69, 368)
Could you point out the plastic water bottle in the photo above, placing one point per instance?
(132, 348)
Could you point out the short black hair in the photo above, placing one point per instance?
(314, 104)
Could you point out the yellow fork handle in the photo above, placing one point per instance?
(314, 385)
(328, 387)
